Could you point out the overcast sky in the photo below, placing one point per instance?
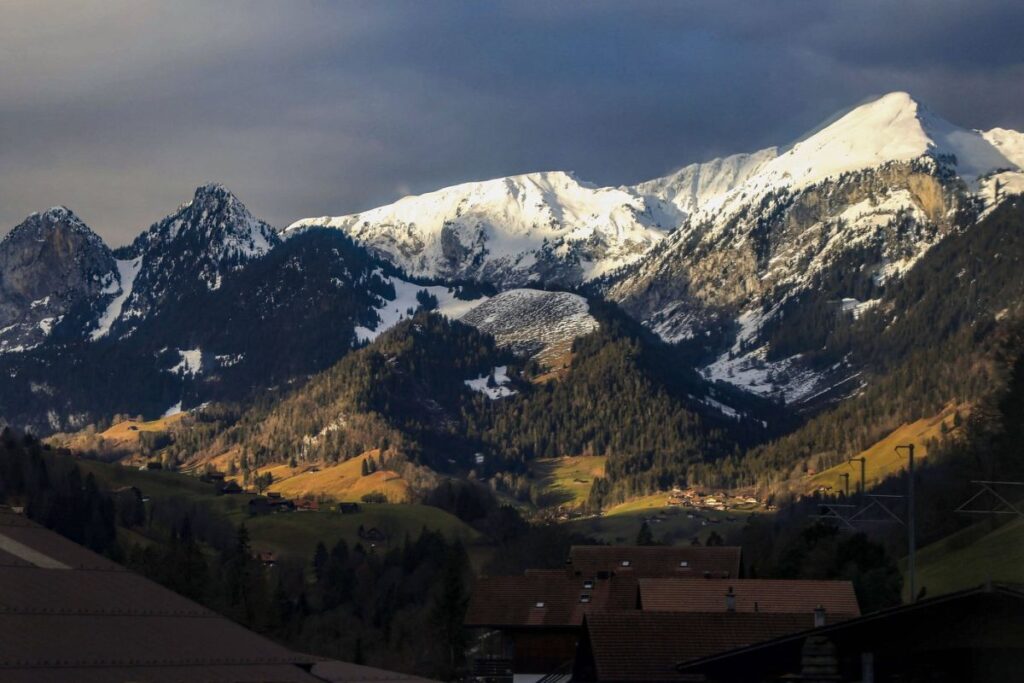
(120, 109)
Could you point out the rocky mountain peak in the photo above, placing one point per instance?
(48, 264)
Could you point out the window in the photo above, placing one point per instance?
(585, 597)
(539, 604)
(588, 584)
(684, 563)
(625, 563)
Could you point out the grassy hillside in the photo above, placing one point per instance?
(882, 459)
(567, 480)
(344, 481)
(971, 557)
(121, 440)
(294, 533)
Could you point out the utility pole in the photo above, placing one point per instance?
(911, 541)
(863, 462)
(846, 483)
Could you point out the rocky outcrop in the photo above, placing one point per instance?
(49, 264)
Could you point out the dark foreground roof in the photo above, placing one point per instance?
(750, 595)
(545, 599)
(648, 646)
(986, 617)
(657, 561)
(67, 614)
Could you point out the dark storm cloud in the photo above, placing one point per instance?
(119, 110)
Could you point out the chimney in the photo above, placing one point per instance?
(730, 601)
(819, 616)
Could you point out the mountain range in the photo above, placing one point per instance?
(757, 277)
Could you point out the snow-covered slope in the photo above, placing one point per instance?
(534, 322)
(1009, 142)
(529, 322)
(547, 227)
(693, 187)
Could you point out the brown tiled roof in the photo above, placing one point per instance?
(545, 598)
(657, 561)
(760, 595)
(647, 646)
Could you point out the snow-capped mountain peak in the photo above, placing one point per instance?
(894, 127)
(546, 226)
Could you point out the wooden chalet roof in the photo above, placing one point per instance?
(657, 561)
(546, 599)
(68, 614)
(648, 646)
(751, 595)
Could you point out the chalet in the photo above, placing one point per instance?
(262, 505)
(529, 625)
(971, 635)
(348, 508)
(372, 534)
(230, 488)
(307, 505)
(268, 558)
(154, 465)
(212, 477)
(274, 495)
(649, 562)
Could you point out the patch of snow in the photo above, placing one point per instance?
(393, 312)
(728, 411)
(499, 390)
(173, 410)
(191, 363)
(47, 324)
(127, 270)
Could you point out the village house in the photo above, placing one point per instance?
(553, 624)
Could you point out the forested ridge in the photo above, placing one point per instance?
(931, 341)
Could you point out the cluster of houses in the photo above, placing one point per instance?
(720, 501)
(662, 613)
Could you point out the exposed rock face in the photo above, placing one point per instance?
(49, 264)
